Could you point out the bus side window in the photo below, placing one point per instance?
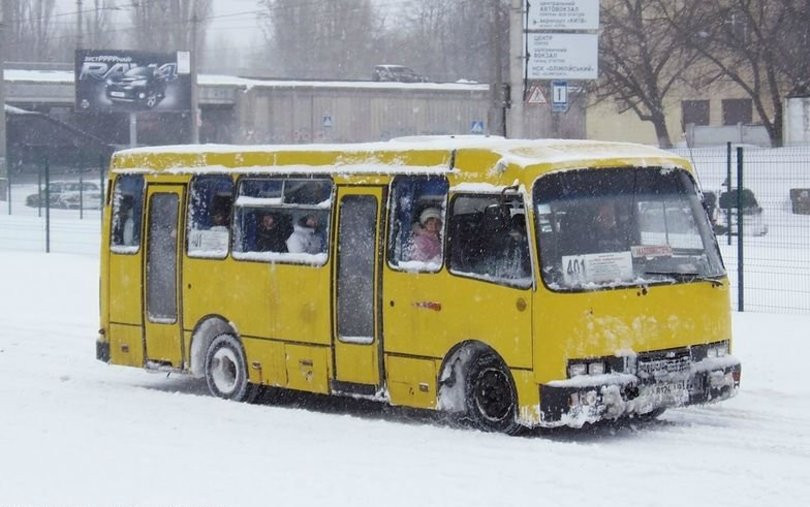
(209, 216)
(127, 210)
(488, 239)
(283, 219)
(417, 222)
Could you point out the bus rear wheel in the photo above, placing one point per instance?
(489, 395)
(226, 371)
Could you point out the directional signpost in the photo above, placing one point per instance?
(564, 15)
(563, 44)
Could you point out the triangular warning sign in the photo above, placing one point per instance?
(535, 96)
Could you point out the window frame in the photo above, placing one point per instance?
(734, 106)
(284, 257)
(229, 247)
(126, 249)
(694, 108)
(393, 230)
(713, 244)
(502, 282)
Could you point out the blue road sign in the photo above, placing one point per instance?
(477, 127)
(559, 96)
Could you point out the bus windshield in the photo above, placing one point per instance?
(616, 227)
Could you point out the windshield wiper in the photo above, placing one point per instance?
(682, 276)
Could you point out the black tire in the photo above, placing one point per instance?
(226, 370)
(489, 394)
(652, 415)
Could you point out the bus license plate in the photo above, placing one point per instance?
(117, 94)
(670, 393)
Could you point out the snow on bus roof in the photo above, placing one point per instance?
(519, 152)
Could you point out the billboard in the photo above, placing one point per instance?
(132, 81)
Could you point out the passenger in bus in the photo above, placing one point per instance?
(270, 234)
(517, 247)
(303, 238)
(219, 221)
(605, 231)
(426, 243)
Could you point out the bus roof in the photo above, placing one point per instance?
(478, 155)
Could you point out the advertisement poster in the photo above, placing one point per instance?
(131, 81)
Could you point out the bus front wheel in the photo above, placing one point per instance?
(226, 371)
(490, 399)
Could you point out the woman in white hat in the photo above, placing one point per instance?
(427, 246)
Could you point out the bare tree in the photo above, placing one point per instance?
(641, 58)
(795, 41)
(167, 25)
(97, 25)
(449, 39)
(31, 30)
(328, 39)
(761, 45)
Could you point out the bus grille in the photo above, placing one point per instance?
(654, 366)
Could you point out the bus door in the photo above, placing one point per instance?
(357, 338)
(162, 323)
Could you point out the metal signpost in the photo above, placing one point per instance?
(562, 43)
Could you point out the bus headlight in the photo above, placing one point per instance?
(717, 350)
(576, 369)
(596, 368)
(586, 367)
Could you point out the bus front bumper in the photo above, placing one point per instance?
(593, 398)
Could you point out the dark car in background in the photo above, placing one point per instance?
(398, 73)
(144, 86)
(724, 214)
(68, 195)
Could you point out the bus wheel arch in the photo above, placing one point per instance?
(204, 334)
(475, 381)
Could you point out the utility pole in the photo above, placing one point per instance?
(496, 116)
(515, 115)
(79, 41)
(194, 113)
(5, 14)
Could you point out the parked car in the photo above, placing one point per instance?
(140, 85)
(398, 73)
(68, 195)
(726, 214)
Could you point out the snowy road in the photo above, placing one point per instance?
(78, 432)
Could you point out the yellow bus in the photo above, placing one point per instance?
(515, 283)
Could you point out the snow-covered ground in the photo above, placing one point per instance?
(74, 431)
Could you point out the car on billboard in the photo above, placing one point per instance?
(142, 85)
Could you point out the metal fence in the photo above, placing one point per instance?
(769, 264)
(53, 209)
